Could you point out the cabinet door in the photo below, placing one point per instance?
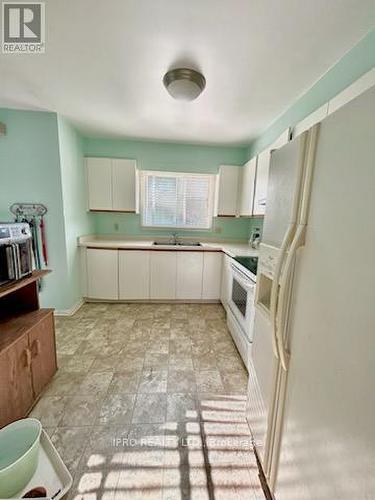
(16, 390)
(134, 274)
(124, 185)
(102, 274)
(261, 182)
(163, 268)
(247, 188)
(99, 183)
(212, 262)
(226, 281)
(228, 190)
(189, 275)
(43, 352)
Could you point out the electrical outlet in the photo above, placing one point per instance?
(217, 229)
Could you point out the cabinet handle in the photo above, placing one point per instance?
(27, 357)
(35, 348)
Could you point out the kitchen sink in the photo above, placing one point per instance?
(178, 243)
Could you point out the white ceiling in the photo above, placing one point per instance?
(105, 61)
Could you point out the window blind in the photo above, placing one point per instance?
(177, 200)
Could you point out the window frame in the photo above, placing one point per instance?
(212, 178)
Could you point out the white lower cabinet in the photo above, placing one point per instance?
(102, 274)
(163, 271)
(226, 281)
(212, 262)
(189, 275)
(134, 274)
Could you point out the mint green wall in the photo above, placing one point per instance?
(130, 224)
(77, 220)
(167, 156)
(30, 172)
(175, 158)
(354, 64)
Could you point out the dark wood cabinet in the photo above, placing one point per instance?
(43, 353)
(16, 389)
(27, 348)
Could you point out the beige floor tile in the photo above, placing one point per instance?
(49, 410)
(116, 409)
(125, 382)
(156, 360)
(235, 382)
(181, 381)
(209, 381)
(148, 444)
(182, 407)
(70, 443)
(153, 381)
(64, 384)
(150, 408)
(80, 411)
(95, 383)
(183, 482)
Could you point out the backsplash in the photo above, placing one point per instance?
(130, 224)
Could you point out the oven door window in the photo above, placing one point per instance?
(239, 297)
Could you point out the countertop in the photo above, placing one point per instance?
(232, 249)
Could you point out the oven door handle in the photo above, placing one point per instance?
(16, 260)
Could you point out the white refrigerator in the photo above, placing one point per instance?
(311, 396)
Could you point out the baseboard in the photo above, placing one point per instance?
(71, 311)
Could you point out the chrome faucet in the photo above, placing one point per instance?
(174, 239)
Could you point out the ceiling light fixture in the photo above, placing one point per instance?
(184, 84)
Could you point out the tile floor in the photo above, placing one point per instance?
(148, 403)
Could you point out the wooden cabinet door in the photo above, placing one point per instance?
(212, 262)
(16, 390)
(102, 274)
(43, 353)
(163, 270)
(189, 275)
(124, 185)
(99, 183)
(134, 274)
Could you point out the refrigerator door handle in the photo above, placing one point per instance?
(275, 286)
(298, 241)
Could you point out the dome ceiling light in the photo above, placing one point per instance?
(184, 84)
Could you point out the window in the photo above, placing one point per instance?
(177, 200)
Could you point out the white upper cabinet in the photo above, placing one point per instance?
(211, 287)
(99, 183)
(163, 270)
(112, 184)
(229, 178)
(261, 183)
(247, 188)
(189, 275)
(134, 274)
(124, 185)
(262, 170)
